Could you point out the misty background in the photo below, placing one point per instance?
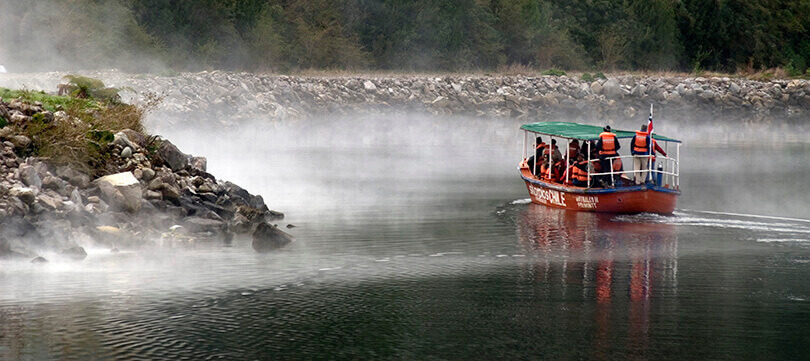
(418, 35)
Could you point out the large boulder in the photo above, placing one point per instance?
(121, 191)
(22, 193)
(74, 253)
(267, 237)
(612, 89)
(174, 158)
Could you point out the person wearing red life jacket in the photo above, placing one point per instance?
(641, 147)
(608, 146)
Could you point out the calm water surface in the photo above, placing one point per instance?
(419, 243)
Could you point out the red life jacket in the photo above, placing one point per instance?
(608, 143)
(640, 145)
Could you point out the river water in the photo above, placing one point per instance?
(416, 240)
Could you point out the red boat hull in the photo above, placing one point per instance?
(635, 199)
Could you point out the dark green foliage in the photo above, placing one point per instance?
(553, 72)
(83, 87)
(3, 122)
(290, 35)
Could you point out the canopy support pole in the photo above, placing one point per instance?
(567, 159)
(678, 166)
(550, 154)
(525, 137)
(534, 166)
(588, 167)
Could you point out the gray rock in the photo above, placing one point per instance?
(199, 163)
(126, 153)
(147, 174)
(734, 88)
(74, 253)
(122, 139)
(24, 194)
(49, 202)
(612, 89)
(596, 88)
(121, 191)
(268, 237)
(198, 224)
(29, 176)
(20, 141)
(174, 158)
(369, 86)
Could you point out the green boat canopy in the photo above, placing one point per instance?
(582, 131)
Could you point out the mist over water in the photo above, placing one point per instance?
(415, 240)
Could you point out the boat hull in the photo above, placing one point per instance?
(634, 199)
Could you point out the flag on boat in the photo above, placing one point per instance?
(649, 123)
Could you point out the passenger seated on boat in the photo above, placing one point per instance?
(579, 174)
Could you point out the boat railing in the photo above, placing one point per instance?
(667, 167)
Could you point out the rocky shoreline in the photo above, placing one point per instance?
(155, 194)
(228, 99)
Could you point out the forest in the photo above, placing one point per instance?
(407, 35)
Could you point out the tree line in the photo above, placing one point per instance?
(411, 35)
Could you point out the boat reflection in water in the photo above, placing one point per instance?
(614, 266)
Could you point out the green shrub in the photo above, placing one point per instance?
(600, 75)
(587, 77)
(3, 122)
(553, 72)
(83, 87)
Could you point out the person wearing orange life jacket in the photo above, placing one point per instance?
(579, 172)
(641, 147)
(608, 146)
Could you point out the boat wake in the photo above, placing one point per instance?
(766, 229)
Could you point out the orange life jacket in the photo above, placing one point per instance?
(579, 174)
(540, 146)
(608, 143)
(640, 145)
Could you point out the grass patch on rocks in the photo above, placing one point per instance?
(69, 130)
(49, 102)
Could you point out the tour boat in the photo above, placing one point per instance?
(657, 194)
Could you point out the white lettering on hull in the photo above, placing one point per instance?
(588, 202)
(548, 196)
